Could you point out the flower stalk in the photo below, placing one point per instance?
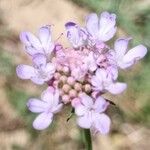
(87, 139)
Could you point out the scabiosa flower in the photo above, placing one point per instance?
(78, 75)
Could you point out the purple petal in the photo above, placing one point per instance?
(30, 40)
(50, 68)
(73, 34)
(45, 38)
(39, 60)
(48, 96)
(80, 110)
(107, 36)
(92, 24)
(25, 71)
(36, 105)
(134, 54)
(42, 121)
(106, 26)
(86, 100)
(102, 123)
(121, 47)
(100, 105)
(69, 24)
(37, 80)
(57, 108)
(117, 88)
(84, 122)
(96, 83)
(32, 51)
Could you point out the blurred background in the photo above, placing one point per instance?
(131, 115)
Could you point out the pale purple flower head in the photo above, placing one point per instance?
(47, 106)
(78, 75)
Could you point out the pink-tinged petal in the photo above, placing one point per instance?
(50, 68)
(107, 21)
(45, 38)
(102, 123)
(113, 72)
(84, 122)
(24, 38)
(42, 121)
(100, 105)
(44, 34)
(25, 71)
(37, 80)
(73, 34)
(107, 36)
(92, 24)
(106, 26)
(91, 62)
(117, 88)
(56, 98)
(80, 110)
(75, 102)
(120, 47)
(97, 84)
(39, 60)
(134, 55)
(48, 96)
(36, 105)
(57, 108)
(32, 51)
(101, 74)
(86, 100)
(30, 40)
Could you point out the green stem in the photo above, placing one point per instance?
(87, 139)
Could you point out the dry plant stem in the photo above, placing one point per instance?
(87, 139)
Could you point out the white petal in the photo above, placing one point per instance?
(25, 71)
(30, 40)
(36, 105)
(102, 123)
(92, 24)
(37, 80)
(107, 36)
(48, 96)
(42, 121)
(80, 110)
(100, 105)
(45, 38)
(121, 47)
(84, 122)
(117, 88)
(39, 60)
(57, 108)
(86, 100)
(134, 54)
